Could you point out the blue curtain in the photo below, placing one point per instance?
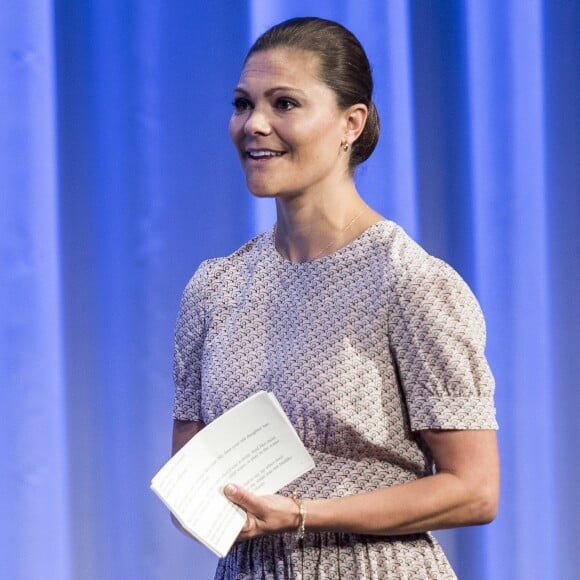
(117, 178)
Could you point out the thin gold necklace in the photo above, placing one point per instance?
(329, 246)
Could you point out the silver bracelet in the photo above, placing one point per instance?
(301, 530)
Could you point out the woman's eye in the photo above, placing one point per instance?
(241, 104)
(285, 104)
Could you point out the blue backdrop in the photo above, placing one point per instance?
(117, 178)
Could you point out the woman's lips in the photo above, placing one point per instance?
(263, 154)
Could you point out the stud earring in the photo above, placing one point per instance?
(345, 146)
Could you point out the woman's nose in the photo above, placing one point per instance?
(257, 123)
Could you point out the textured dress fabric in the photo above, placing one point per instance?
(362, 348)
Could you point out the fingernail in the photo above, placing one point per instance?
(230, 489)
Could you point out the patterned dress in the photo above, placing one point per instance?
(362, 348)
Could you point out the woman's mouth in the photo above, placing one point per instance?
(259, 154)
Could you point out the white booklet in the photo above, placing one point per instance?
(254, 445)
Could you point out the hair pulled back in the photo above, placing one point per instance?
(344, 67)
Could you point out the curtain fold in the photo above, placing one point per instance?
(34, 491)
(510, 192)
(117, 178)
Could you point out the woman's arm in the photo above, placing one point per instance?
(183, 431)
(464, 491)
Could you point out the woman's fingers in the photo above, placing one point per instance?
(242, 497)
(264, 514)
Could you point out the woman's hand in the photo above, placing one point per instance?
(265, 514)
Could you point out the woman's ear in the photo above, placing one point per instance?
(356, 118)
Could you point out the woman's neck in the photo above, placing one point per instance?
(306, 231)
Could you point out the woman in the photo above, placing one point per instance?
(373, 347)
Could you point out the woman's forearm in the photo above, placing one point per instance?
(435, 502)
(463, 492)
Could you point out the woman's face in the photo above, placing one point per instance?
(286, 125)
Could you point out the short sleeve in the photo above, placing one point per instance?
(437, 338)
(189, 336)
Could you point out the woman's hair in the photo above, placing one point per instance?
(344, 67)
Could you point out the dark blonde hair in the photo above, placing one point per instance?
(344, 67)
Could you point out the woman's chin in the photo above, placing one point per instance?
(261, 191)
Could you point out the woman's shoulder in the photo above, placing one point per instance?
(407, 264)
(214, 270)
(394, 247)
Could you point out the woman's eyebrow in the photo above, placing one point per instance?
(270, 92)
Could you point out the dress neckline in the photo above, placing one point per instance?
(323, 259)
